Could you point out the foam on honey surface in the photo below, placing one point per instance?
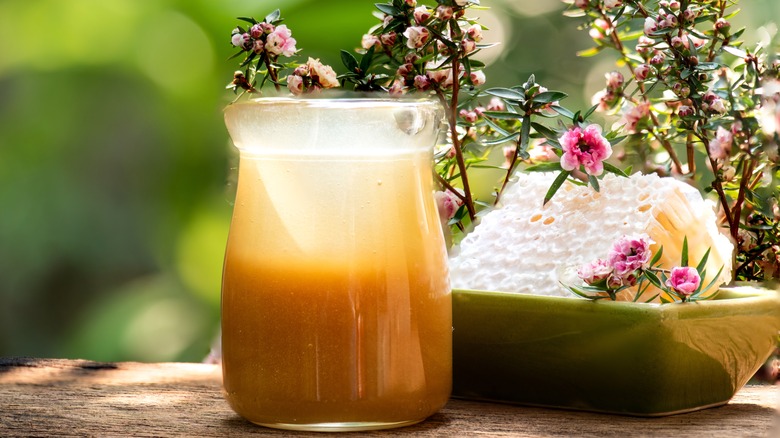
(529, 248)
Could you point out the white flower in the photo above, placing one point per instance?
(416, 36)
(462, 2)
(609, 4)
(322, 73)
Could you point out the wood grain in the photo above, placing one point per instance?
(44, 397)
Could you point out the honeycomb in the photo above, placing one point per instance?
(526, 247)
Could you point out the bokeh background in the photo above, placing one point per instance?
(115, 166)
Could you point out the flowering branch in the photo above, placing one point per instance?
(691, 98)
(630, 266)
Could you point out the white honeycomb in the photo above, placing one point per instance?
(525, 247)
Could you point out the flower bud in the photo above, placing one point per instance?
(468, 46)
(496, 104)
(674, 5)
(444, 13)
(614, 80)
(405, 70)
(685, 111)
(642, 71)
(388, 39)
(421, 15)
(469, 116)
(677, 42)
(475, 32)
(477, 78)
(657, 59)
(256, 30)
(257, 46)
(722, 26)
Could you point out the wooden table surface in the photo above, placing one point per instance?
(42, 397)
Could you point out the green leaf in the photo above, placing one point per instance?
(590, 111)
(563, 111)
(739, 53)
(549, 97)
(544, 130)
(593, 182)
(545, 167)
(349, 61)
(500, 140)
(593, 51)
(556, 185)
(684, 255)
(525, 133)
(365, 62)
(502, 115)
(249, 20)
(703, 261)
(713, 281)
(612, 169)
(657, 256)
(652, 278)
(273, 16)
(651, 299)
(506, 93)
(387, 9)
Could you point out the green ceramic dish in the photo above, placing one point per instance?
(615, 357)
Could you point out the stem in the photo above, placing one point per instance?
(271, 71)
(620, 48)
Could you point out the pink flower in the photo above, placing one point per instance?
(411, 3)
(582, 4)
(421, 82)
(448, 204)
(684, 280)
(635, 115)
(462, 3)
(397, 88)
(477, 77)
(586, 147)
(595, 272)
(441, 77)
(720, 146)
(281, 42)
(295, 84)
(629, 254)
(421, 15)
(416, 36)
(713, 103)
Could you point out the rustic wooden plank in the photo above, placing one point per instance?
(76, 397)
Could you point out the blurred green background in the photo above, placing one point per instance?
(115, 166)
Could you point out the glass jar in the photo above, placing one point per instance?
(336, 304)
